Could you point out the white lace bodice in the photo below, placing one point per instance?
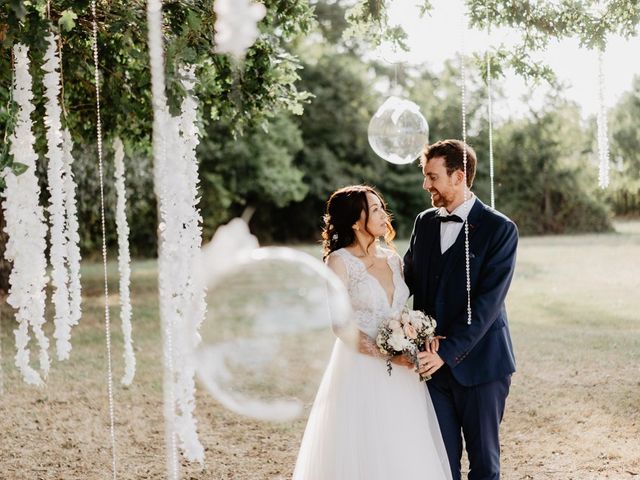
(368, 298)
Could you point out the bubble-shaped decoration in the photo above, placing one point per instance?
(398, 131)
(267, 334)
(236, 25)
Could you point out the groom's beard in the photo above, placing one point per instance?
(440, 199)
(437, 200)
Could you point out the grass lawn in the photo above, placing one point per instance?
(573, 411)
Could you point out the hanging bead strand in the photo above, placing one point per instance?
(107, 321)
(463, 74)
(603, 134)
(490, 112)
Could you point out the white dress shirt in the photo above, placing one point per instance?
(449, 231)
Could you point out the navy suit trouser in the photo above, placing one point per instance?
(476, 413)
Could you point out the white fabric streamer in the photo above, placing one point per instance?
(73, 237)
(124, 263)
(57, 209)
(26, 228)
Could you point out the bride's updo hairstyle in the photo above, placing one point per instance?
(344, 208)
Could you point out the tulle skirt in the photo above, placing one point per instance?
(367, 425)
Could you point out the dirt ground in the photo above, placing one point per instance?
(573, 411)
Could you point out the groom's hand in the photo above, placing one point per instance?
(429, 363)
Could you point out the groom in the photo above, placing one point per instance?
(471, 372)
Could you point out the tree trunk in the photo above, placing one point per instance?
(5, 265)
(548, 211)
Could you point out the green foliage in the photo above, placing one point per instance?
(542, 182)
(591, 21)
(624, 189)
(369, 19)
(67, 20)
(235, 97)
(258, 153)
(540, 23)
(255, 171)
(141, 203)
(243, 94)
(333, 128)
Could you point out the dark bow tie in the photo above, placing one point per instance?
(450, 218)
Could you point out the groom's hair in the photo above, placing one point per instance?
(453, 153)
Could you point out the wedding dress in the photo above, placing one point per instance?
(365, 424)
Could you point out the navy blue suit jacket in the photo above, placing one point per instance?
(480, 352)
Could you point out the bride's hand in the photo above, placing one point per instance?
(402, 361)
(434, 345)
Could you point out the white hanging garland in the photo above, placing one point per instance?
(73, 237)
(181, 240)
(57, 208)
(175, 174)
(162, 129)
(124, 263)
(189, 240)
(26, 228)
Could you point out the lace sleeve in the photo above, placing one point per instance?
(396, 262)
(400, 264)
(338, 264)
(368, 346)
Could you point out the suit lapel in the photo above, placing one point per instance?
(457, 249)
(431, 238)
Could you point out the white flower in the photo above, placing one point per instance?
(57, 208)
(73, 237)
(26, 228)
(395, 325)
(124, 262)
(417, 319)
(398, 342)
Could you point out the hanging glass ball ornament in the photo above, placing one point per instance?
(398, 131)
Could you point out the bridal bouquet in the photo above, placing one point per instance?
(405, 333)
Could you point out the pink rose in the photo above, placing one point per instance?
(410, 331)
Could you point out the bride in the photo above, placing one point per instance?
(365, 424)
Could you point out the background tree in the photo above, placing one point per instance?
(538, 23)
(242, 95)
(542, 183)
(257, 152)
(624, 190)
